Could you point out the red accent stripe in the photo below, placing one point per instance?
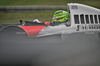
(32, 31)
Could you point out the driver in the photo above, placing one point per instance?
(59, 17)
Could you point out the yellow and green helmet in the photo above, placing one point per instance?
(60, 16)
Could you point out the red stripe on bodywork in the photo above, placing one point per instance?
(32, 31)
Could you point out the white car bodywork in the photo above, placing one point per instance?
(83, 18)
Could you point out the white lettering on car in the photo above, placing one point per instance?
(84, 27)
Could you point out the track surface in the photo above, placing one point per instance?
(76, 49)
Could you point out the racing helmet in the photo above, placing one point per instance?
(60, 16)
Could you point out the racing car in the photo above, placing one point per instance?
(75, 43)
(83, 18)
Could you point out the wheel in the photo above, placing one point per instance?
(12, 33)
(1, 26)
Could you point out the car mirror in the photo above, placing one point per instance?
(47, 23)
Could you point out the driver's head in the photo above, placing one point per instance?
(60, 16)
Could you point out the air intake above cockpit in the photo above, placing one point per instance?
(87, 19)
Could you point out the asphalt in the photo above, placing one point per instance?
(77, 49)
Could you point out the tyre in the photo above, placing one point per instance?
(12, 33)
(1, 27)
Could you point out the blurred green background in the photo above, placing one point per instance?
(12, 18)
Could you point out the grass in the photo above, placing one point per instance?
(44, 16)
(47, 2)
(33, 2)
(13, 18)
